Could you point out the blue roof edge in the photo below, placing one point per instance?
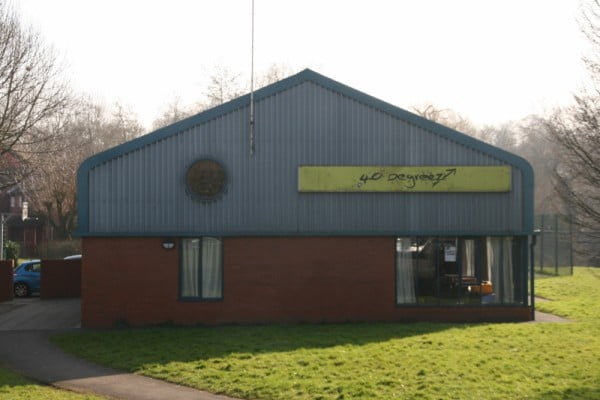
(285, 84)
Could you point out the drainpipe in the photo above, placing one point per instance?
(2, 236)
(532, 271)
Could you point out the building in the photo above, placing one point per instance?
(335, 207)
(29, 233)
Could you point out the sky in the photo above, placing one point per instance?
(490, 60)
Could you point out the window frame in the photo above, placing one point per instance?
(520, 255)
(201, 296)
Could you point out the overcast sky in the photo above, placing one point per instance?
(490, 60)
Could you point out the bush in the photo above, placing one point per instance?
(11, 250)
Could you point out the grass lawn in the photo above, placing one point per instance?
(15, 387)
(376, 361)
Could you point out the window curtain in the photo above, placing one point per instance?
(211, 268)
(508, 284)
(405, 272)
(500, 268)
(190, 268)
(468, 259)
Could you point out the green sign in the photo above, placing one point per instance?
(403, 179)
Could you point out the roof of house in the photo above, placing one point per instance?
(278, 88)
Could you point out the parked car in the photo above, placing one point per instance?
(26, 278)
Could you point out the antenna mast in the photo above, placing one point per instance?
(252, 88)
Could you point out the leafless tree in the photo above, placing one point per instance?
(275, 72)
(84, 129)
(577, 174)
(173, 111)
(224, 86)
(533, 143)
(576, 132)
(503, 135)
(124, 125)
(446, 117)
(30, 92)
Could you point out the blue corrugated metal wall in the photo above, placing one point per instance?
(141, 191)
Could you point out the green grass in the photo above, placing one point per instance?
(15, 387)
(376, 361)
(576, 296)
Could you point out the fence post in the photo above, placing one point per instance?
(542, 243)
(571, 244)
(556, 244)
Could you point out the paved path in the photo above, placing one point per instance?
(31, 313)
(545, 317)
(25, 328)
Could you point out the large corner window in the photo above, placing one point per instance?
(201, 274)
(460, 271)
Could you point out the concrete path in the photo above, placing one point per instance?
(545, 317)
(31, 313)
(25, 328)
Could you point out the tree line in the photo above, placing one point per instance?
(47, 130)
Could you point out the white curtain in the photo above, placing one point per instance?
(468, 260)
(405, 272)
(211, 268)
(189, 268)
(500, 268)
(508, 285)
(493, 265)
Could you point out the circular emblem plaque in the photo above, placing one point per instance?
(206, 180)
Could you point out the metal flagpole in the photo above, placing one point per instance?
(252, 88)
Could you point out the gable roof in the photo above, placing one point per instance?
(306, 75)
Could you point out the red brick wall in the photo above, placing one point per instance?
(131, 280)
(266, 279)
(6, 280)
(60, 278)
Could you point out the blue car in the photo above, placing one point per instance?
(26, 278)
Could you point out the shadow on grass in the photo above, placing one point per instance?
(131, 348)
(584, 393)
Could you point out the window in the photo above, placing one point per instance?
(460, 271)
(201, 271)
(405, 271)
(33, 267)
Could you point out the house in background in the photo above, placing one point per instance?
(29, 232)
(334, 207)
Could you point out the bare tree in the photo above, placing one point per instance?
(55, 197)
(577, 174)
(274, 73)
(124, 125)
(535, 145)
(576, 131)
(503, 136)
(446, 117)
(224, 86)
(173, 111)
(30, 92)
(84, 129)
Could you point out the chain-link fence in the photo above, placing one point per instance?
(554, 246)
